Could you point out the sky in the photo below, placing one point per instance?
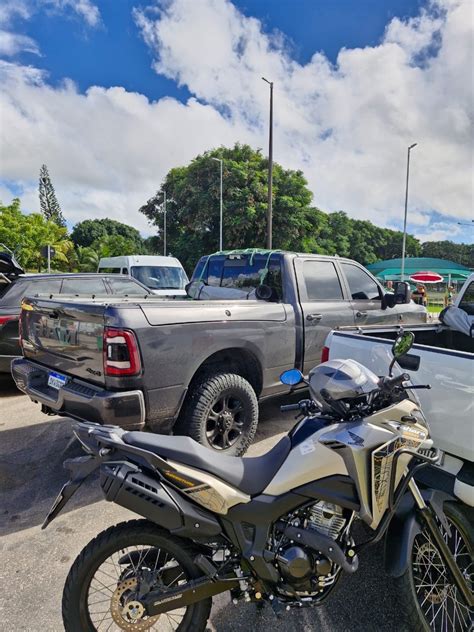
(111, 94)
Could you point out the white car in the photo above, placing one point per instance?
(164, 276)
(442, 357)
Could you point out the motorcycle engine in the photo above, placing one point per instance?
(307, 571)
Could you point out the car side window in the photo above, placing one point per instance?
(84, 286)
(322, 281)
(467, 300)
(126, 287)
(31, 288)
(361, 285)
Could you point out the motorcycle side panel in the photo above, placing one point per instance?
(205, 489)
(308, 461)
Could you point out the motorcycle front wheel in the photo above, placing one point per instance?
(432, 601)
(101, 589)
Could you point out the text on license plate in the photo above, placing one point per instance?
(56, 380)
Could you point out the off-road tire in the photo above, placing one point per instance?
(74, 603)
(200, 399)
(463, 519)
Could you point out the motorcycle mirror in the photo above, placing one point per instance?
(403, 344)
(292, 377)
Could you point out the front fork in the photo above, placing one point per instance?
(428, 518)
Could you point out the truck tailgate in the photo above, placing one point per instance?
(65, 335)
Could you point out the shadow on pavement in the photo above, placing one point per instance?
(7, 386)
(363, 602)
(31, 473)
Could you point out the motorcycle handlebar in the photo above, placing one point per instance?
(389, 383)
(288, 407)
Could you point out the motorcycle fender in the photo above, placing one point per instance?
(404, 527)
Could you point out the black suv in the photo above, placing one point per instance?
(14, 286)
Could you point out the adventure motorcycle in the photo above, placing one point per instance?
(275, 528)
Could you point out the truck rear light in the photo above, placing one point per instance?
(121, 354)
(6, 319)
(325, 354)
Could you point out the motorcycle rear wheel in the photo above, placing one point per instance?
(98, 594)
(432, 601)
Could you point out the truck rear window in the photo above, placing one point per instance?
(241, 272)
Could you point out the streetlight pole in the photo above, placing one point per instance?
(164, 223)
(221, 214)
(404, 242)
(270, 170)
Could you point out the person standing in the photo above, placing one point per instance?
(419, 295)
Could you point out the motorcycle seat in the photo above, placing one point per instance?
(250, 475)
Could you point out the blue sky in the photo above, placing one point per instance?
(111, 49)
(115, 53)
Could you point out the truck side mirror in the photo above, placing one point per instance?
(402, 293)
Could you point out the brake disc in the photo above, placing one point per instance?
(128, 615)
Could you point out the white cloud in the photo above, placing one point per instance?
(84, 8)
(346, 126)
(10, 9)
(13, 43)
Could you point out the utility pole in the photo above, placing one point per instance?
(49, 259)
(164, 223)
(221, 210)
(404, 242)
(270, 170)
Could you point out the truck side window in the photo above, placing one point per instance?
(467, 300)
(321, 280)
(361, 285)
(83, 286)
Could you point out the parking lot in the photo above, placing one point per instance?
(35, 562)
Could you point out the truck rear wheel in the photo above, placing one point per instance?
(221, 413)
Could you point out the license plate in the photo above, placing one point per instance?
(56, 380)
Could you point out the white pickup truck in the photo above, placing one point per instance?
(442, 357)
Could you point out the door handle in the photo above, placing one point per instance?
(314, 317)
(361, 314)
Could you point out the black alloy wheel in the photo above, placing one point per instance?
(221, 413)
(225, 422)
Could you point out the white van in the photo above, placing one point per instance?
(164, 276)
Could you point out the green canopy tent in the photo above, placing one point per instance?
(390, 269)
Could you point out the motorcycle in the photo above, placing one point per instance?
(277, 528)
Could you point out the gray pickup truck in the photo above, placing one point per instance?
(197, 366)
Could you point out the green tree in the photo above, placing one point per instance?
(114, 246)
(86, 259)
(193, 205)
(93, 231)
(459, 253)
(27, 234)
(48, 201)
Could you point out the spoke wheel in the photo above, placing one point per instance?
(106, 585)
(439, 603)
(113, 602)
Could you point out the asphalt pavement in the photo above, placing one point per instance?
(34, 563)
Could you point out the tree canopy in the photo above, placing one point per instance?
(92, 231)
(25, 235)
(193, 212)
(48, 201)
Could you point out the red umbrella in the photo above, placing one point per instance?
(426, 277)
